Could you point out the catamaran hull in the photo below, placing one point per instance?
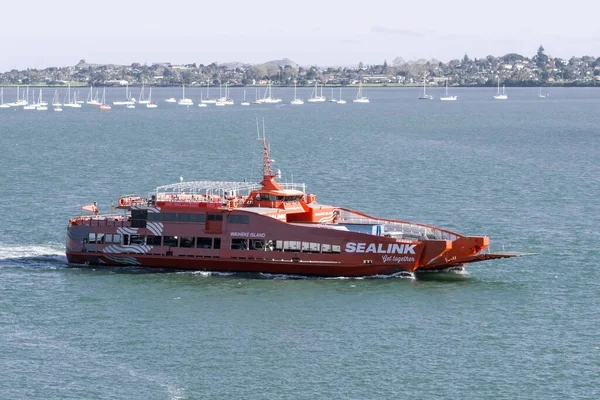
(288, 267)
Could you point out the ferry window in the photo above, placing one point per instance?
(170, 241)
(169, 217)
(326, 248)
(183, 217)
(91, 237)
(138, 223)
(239, 244)
(291, 245)
(125, 240)
(279, 245)
(257, 244)
(217, 244)
(116, 238)
(154, 217)
(186, 241)
(197, 217)
(136, 239)
(100, 238)
(272, 197)
(215, 217)
(153, 240)
(311, 247)
(139, 214)
(108, 238)
(204, 242)
(335, 248)
(238, 219)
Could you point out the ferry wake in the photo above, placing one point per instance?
(266, 227)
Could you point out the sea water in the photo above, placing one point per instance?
(524, 171)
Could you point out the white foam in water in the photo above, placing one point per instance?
(35, 256)
(449, 270)
(207, 274)
(401, 275)
(16, 251)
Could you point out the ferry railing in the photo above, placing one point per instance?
(104, 220)
(408, 230)
(219, 188)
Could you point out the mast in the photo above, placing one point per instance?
(268, 181)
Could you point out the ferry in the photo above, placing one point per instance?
(267, 227)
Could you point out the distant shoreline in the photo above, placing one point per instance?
(367, 85)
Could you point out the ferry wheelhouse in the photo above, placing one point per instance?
(267, 227)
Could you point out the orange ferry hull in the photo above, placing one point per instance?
(244, 266)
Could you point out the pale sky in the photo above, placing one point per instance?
(39, 34)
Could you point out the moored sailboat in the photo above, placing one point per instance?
(104, 106)
(142, 99)
(447, 97)
(500, 96)
(41, 104)
(207, 100)
(540, 95)
(128, 99)
(296, 100)
(340, 100)
(91, 99)
(151, 104)
(184, 101)
(2, 105)
(245, 103)
(360, 98)
(314, 96)
(425, 96)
